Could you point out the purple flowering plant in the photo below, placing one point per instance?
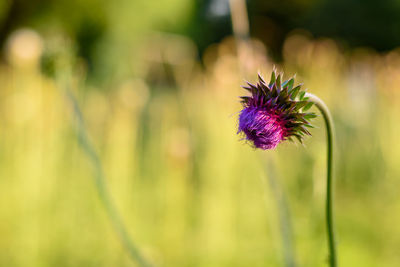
(276, 112)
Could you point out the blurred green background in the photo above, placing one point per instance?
(158, 84)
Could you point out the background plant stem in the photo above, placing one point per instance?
(282, 208)
(329, 188)
(100, 180)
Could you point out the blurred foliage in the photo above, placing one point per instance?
(103, 32)
(367, 23)
(93, 24)
(353, 22)
(164, 124)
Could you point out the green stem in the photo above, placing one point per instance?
(101, 183)
(283, 214)
(329, 188)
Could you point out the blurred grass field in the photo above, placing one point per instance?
(189, 190)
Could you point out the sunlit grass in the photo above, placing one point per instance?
(189, 191)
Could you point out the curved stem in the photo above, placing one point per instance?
(101, 183)
(329, 188)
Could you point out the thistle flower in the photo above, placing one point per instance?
(274, 112)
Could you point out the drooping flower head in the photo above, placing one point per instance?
(274, 112)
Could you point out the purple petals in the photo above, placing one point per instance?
(262, 127)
